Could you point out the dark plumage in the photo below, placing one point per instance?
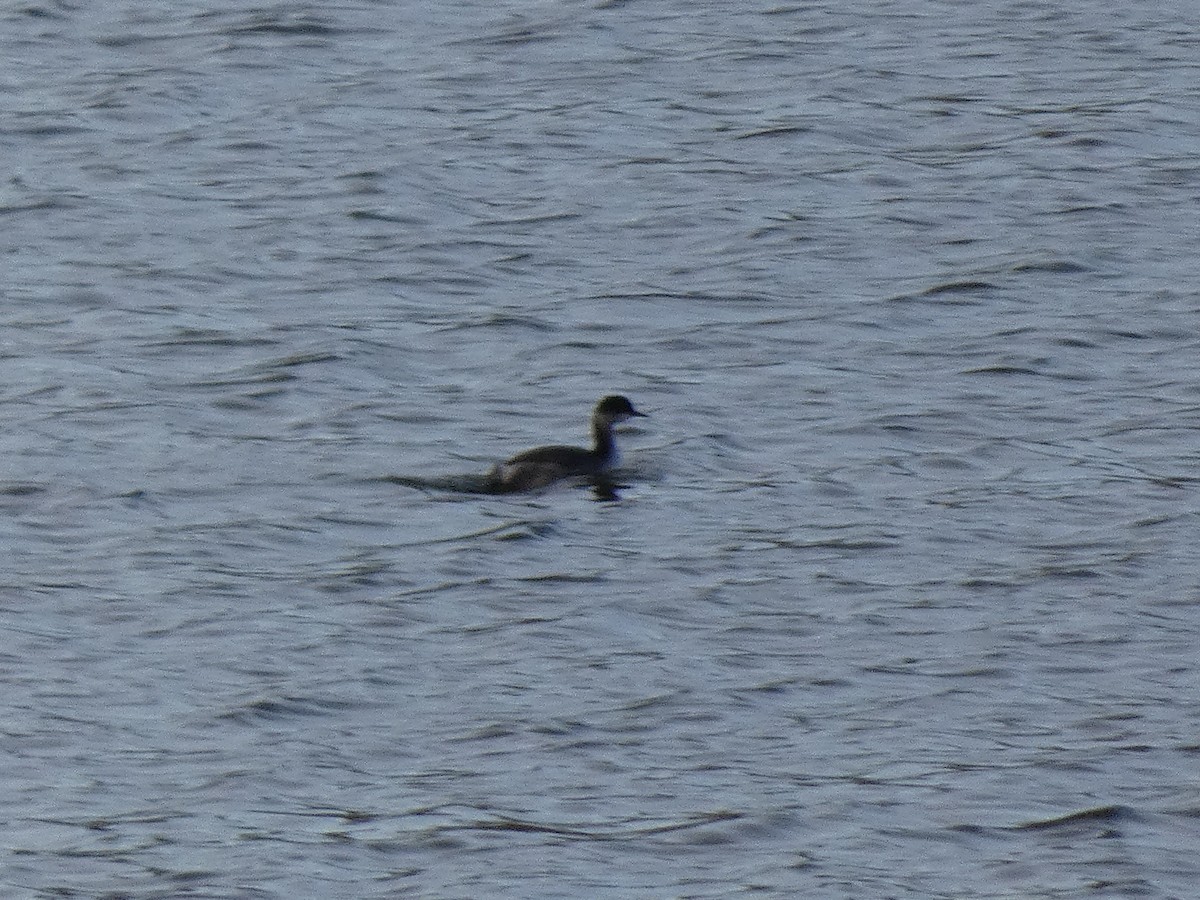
(541, 466)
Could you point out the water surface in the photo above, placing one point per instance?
(900, 599)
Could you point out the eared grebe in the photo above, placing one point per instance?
(541, 466)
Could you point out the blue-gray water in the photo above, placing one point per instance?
(902, 598)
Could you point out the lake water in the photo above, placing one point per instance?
(900, 597)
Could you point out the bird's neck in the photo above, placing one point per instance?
(602, 436)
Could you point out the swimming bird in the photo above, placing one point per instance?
(542, 466)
